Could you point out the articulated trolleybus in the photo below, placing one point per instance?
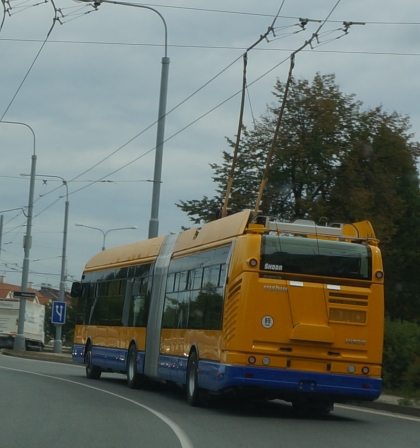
(292, 311)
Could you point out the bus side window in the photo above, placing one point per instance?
(82, 305)
(100, 308)
(127, 299)
(170, 283)
(138, 311)
(100, 311)
(196, 312)
(91, 302)
(181, 281)
(222, 277)
(211, 276)
(116, 289)
(145, 292)
(76, 289)
(183, 309)
(136, 300)
(170, 312)
(198, 279)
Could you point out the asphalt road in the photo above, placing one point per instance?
(47, 404)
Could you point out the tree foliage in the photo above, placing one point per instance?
(333, 162)
(401, 361)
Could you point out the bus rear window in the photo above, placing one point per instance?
(316, 257)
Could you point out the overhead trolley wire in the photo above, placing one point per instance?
(176, 133)
(223, 11)
(223, 211)
(264, 180)
(55, 19)
(173, 135)
(152, 124)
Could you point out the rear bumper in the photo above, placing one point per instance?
(284, 382)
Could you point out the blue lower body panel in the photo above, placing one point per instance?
(78, 353)
(111, 359)
(218, 377)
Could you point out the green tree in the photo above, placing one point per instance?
(378, 181)
(336, 161)
(377, 176)
(315, 135)
(401, 360)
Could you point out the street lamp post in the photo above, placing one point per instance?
(160, 136)
(104, 234)
(19, 343)
(58, 328)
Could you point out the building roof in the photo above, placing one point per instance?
(7, 288)
(52, 294)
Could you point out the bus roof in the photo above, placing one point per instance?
(126, 255)
(147, 251)
(217, 232)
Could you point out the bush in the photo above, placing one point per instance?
(401, 360)
(413, 375)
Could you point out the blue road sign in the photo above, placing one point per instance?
(58, 315)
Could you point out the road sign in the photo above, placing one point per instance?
(58, 314)
(24, 294)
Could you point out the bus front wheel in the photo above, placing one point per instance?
(92, 372)
(192, 380)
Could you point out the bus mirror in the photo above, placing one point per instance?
(76, 289)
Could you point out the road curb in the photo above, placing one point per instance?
(39, 356)
(389, 407)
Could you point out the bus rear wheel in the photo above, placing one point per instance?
(92, 372)
(133, 377)
(192, 380)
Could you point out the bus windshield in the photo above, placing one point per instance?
(316, 257)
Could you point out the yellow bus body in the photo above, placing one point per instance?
(287, 334)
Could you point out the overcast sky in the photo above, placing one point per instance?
(94, 86)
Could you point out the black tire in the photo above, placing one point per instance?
(193, 393)
(134, 379)
(92, 372)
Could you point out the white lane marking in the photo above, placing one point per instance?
(43, 361)
(188, 442)
(373, 411)
(181, 435)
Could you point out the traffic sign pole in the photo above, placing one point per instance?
(58, 317)
(58, 345)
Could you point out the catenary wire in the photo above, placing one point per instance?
(178, 105)
(181, 130)
(33, 62)
(210, 47)
(192, 122)
(221, 11)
